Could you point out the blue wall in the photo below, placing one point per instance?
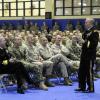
(49, 22)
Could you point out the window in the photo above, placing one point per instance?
(9, 0)
(35, 4)
(27, 5)
(42, 12)
(38, 8)
(20, 13)
(68, 3)
(68, 11)
(77, 11)
(0, 6)
(27, 12)
(95, 2)
(59, 3)
(42, 4)
(86, 10)
(6, 6)
(20, 5)
(0, 13)
(59, 11)
(77, 3)
(6, 13)
(77, 7)
(23, 0)
(22, 8)
(86, 3)
(13, 12)
(13, 5)
(96, 10)
(35, 12)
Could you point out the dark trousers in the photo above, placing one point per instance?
(17, 69)
(85, 74)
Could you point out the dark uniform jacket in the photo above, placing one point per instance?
(91, 38)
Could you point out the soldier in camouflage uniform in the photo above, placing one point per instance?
(79, 26)
(57, 59)
(58, 48)
(4, 26)
(34, 72)
(56, 26)
(10, 26)
(44, 27)
(75, 48)
(31, 27)
(26, 26)
(34, 57)
(19, 27)
(69, 26)
(34, 27)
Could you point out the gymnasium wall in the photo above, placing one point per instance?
(49, 22)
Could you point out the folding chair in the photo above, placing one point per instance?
(2, 83)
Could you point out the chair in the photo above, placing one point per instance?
(2, 83)
(57, 75)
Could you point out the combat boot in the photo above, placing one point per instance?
(67, 82)
(43, 86)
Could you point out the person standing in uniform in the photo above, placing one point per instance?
(88, 57)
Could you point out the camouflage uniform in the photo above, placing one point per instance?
(19, 27)
(67, 55)
(34, 28)
(33, 56)
(56, 27)
(4, 26)
(33, 70)
(44, 27)
(75, 49)
(26, 27)
(47, 54)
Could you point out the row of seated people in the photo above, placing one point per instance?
(34, 26)
(41, 55)
(66, 38)
(28, 25)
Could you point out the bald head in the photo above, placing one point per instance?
(89, 22)
(90, 19)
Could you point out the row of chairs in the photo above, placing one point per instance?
(4, 78)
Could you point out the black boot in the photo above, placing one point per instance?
(78, 89)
